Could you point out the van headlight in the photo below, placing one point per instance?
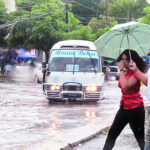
(55, 87)
(91, 88)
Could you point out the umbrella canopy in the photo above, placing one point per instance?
(132, 35)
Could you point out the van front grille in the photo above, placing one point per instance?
(72, 88)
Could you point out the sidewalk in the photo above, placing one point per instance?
(4, 78)
(126, 141)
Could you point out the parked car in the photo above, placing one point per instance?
(114, 71)
(37, 73)
(22, 72)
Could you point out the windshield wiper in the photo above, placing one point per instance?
(92, 61)
(73, 62)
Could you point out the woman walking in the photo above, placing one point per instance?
(131, 105)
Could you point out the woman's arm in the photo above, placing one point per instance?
(140, 74)
(125, 83)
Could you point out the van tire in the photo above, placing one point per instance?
(117, 78)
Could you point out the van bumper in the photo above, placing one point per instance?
(67, 96)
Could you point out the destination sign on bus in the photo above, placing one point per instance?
(74, 53)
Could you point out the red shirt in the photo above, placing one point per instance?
(131, 98)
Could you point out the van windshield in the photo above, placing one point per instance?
(74, 60)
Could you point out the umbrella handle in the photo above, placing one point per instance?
(131, 63)
(129, 47)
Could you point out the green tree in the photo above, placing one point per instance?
(101, 31)
(3, 19)
(96, 24)
(126, 10)
(42, 26)
(146, 19)
(87, 9)
(82, 33)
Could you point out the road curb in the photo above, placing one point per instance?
(4, 76)
(71, 145)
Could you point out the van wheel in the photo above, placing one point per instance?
(117, 78)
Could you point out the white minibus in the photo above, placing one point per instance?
(73, 72)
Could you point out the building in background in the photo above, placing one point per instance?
(148, 1)
(10, 5)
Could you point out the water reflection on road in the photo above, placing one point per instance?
(27, 117)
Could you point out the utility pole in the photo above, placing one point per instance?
(128, 16)
(106, 14)
(66, 7)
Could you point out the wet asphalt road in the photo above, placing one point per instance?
(27, 117)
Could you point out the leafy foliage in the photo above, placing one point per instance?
(44, 24)
(126, 10)
(96, 24)
(41, 23)
(83, 33)
(87, 9)
(146, 19)
(3, 19)
(40, 27)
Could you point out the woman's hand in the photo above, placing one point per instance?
(140, 74)
(120, 65)
(132, 66)
(125, 83)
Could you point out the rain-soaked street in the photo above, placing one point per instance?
(28, 118)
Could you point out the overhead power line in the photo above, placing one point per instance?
(38, 15)
(88, 7)
(7, 25)
(27, 18)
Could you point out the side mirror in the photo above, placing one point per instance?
(44, 67)
(104, 69)
(47, 70)
(43, 64)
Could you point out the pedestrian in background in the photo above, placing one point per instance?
(147, 144)
(131, 106)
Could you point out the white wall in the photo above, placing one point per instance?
(10, 5)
